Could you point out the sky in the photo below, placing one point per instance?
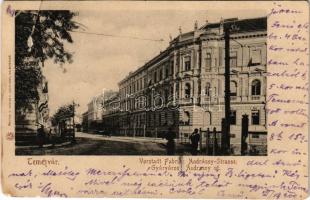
(100, 62)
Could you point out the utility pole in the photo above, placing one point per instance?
(73, 139)
(73, 122)
(226, 135)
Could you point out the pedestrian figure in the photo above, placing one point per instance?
(194, 138)
(40, 136)
(170, 142)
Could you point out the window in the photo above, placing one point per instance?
(172, 67)
(256, 57)
(233, 117)
(138, 120)
(255, 135)
(141, 83)
(142, 119)
(177, 90)
(214, 91)
(187, 90)
(186, 118)
(255, 117)
(232, 135)
(233, 59)
(160, 74)
(208, 62)
(233, 88)
(187, 63)
(167, 71)
(166, 95)
(208, 89)
(220, 56)
(171, 91)
(256, 87)
(155, 77)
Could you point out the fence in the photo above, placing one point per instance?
(212, 140)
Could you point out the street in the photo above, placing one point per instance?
(93, 144)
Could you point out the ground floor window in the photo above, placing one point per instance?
(255, 117)
(255, 135)
(233, 117)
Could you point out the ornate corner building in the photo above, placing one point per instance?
(183, 87)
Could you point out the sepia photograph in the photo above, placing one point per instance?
(141, 82)
(155, 99)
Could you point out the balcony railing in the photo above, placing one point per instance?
(255, 97)
(187, 100)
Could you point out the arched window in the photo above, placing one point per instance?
(187, 63)
(208, 89)
(207, 118)
(233, 88)
(186, 118)
(187, 90)
(208, 62)
(256, 87)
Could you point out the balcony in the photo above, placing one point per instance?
(257, 98)
(186, 101)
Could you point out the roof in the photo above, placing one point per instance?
(244, 25)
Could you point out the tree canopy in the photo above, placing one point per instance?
(39, 35)
(64, 112)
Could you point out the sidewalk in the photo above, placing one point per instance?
(30, 147)
(120, 138)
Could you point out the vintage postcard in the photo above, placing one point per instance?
(155, 99)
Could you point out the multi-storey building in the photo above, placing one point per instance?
(110, 115)
(95, 110)
(85, 121)
(183, 86)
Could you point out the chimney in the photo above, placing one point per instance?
(196, 25)
(221, 28)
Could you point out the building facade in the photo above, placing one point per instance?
(85, 121)
(183, 87)
(110, 115)
(95, 109)
(94, 113)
